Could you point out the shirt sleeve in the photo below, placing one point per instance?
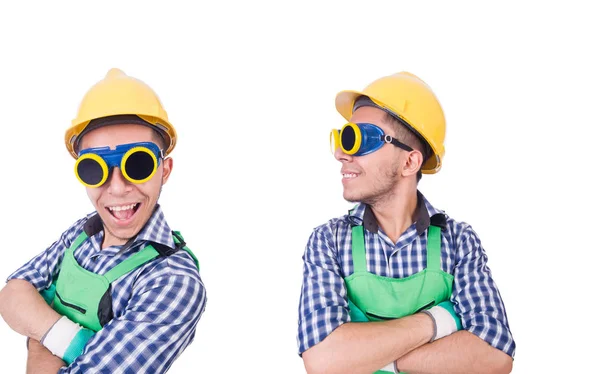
(323, 299)
(479, 303)
(157, 325)
(41, 270)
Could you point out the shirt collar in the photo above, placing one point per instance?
(362, 214)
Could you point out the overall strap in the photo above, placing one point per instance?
(180, 243)
(359, 256)
(77, 242)
(434, 244)
(131, 263)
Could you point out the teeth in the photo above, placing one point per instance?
(123, 207)
(348, 175)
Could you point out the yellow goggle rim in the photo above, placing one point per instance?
(100, 161)
(335, 140)
(126, 157)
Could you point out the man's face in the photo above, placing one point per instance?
(371, 178)
(125, 207)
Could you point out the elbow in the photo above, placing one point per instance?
(506, 366)
(12, 287)
(316, 369)
(311, 369)
(313, 363)
(3, 298)
(503, 363)
(5, 295)
(316, 362)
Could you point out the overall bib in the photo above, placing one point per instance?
(85, 297)
(375, 298)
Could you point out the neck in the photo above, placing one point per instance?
(111, 240)
(396, 213)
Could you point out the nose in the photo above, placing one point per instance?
(117, 184)
(341, 156)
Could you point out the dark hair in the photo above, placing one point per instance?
(159, 139)
(408, 136)
(157, 135)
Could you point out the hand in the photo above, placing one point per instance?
(42, 361)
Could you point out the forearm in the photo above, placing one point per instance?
(41, 361)
(368, 346)
(461, 352)
(25, 311)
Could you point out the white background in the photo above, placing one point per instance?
(250, 87)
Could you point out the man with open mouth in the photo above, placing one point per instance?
(119, 291)
(396, 285)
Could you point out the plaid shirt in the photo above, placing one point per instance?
(156, 307)
(328, 260)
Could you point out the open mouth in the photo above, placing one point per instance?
(123, 212)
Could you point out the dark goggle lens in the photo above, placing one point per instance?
(90, 171)
(348, 138)
(139, 165)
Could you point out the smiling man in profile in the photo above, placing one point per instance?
(396, 284)
(119, 291)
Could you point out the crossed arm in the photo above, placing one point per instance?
(366, 347)
(26, 312)
(158, 322)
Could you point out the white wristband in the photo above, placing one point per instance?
(444, 323)
(390, 368)
(59, 337)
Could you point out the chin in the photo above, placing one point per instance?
(122, 233)
(352, 197)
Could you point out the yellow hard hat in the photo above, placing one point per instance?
(410, 99)
(120, 94)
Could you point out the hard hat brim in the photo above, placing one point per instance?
(344, 102)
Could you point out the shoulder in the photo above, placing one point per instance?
(324, 238)
(333, 227)
(461, 234)
(455, 230)
(178, 267)
(171, 282)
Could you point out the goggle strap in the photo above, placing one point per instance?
(396, 142)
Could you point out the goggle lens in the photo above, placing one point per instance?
(348, 138)
(90, 171)
(139, 165)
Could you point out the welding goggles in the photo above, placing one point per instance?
(359, 139)
(137, 161)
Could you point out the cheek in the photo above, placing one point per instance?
(369, 163)
(93, 194)
(151, 188)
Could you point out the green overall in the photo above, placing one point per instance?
(85, 297)
(375, 298)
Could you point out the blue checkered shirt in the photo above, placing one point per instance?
(328, 260)
(156, 307)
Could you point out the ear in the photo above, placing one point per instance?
(412, 164)
(167, 165)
